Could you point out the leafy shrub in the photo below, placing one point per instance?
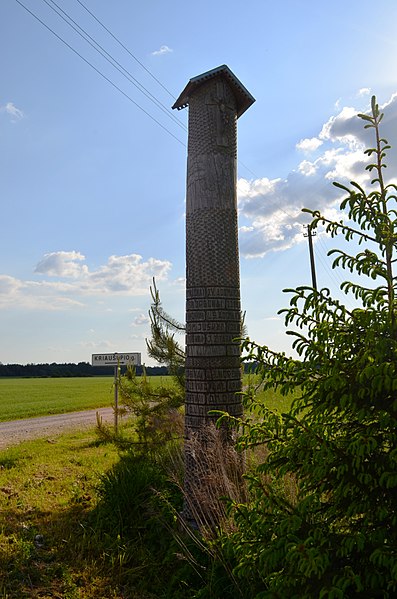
(336, 537)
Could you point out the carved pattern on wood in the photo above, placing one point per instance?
(213, 312)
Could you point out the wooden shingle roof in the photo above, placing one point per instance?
(243, 98)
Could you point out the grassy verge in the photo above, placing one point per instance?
(79, 522)
(46, 492)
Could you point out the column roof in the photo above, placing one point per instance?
(243, 98)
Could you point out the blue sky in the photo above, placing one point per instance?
(92, 189)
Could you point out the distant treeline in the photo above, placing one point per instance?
(65, 370)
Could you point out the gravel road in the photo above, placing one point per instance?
(15, 431)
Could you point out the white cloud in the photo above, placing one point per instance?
(62, 264)
(307, 168)
(140, 319)
(343, 127)
(9, 285)
(15, 113)
(270, 209)
(309, 144)
(180, 282)
(272, 318)
(126, 274)
(36, 295)
(104, 345)
(162, 50)
(364, 91)
(122, 275)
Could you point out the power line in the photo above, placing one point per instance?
(107, 56)
(125, 73)
(325, 265)
(332, 273)
(100, 73)
(102, 51)
(270, 199)
(125, 48)
(247, 168)
(153, 99)
(148, 94)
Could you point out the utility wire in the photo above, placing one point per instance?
(248, 169)
(335, 273)
(293, 218)
(332, 273)
(102, 51)
(134, 81)
(82, 32)
(76, 27)
(325, 265)
(100, 73)
(125, 48)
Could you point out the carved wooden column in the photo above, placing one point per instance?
(213, 313)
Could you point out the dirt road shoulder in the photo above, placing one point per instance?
(16, 431)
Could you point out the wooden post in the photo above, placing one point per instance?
(310, 234)
(116, 399)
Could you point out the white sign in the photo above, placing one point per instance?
(115, 359)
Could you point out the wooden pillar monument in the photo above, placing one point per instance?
(213, 313)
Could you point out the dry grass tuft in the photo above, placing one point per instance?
(208, 474)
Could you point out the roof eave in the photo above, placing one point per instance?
(243, 98)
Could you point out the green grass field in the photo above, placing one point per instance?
(27, 398)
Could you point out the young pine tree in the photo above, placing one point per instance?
(155, 406)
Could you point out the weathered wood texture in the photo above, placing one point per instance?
(213, 312)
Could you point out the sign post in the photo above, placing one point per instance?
(116, 400)
(116, 359)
